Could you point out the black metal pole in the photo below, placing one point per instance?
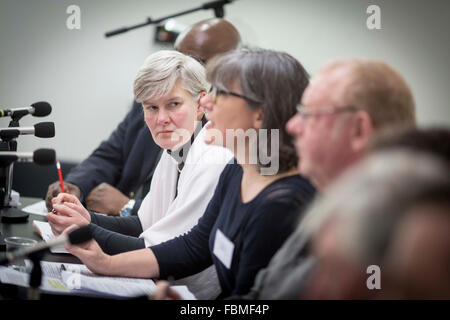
(217, 6)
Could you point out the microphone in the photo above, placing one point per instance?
(37, 109)
(78, 236)
(40, 130)
(40, 156)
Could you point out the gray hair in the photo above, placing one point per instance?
(369, 198)
(163, 69)
(275, 81)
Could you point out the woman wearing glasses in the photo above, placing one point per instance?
(169, 86)
(259, 198)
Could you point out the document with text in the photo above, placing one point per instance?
(77, 279)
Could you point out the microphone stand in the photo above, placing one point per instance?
(217, 6)
(35, 281)
(9, 143)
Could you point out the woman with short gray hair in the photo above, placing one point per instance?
(163, 69)
(252, 211)
(169, 86)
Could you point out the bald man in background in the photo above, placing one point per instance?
(117, 175)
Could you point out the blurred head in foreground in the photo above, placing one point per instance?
(382, 231)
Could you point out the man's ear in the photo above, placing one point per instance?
(258, 119)
(362, 130)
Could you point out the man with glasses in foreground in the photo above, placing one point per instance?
(346, 103)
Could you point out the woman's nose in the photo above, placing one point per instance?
(163, 117)
(295, 125)
(206, 102)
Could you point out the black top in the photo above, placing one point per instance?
(117, 234)
(256, 228)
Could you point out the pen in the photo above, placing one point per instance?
(58, 167)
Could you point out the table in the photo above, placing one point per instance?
(26, 229)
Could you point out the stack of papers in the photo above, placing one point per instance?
(70, 278)
(46, 233)
(67, 278)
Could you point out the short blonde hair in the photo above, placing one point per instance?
(163, 69)
(378, 89)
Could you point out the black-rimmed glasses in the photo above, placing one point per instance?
(216, 92)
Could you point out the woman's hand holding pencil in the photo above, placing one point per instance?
(69, 211)
(55, 188)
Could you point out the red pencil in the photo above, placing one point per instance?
(58, 166)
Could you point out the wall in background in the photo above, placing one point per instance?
(88, 78)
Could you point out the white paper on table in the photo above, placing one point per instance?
(80, 277)
(38, 208)
(52, 281)
(80, 280)
(53, 270)
(11, 276)
(184, 292)
(116, 286)
(123, 287)
(45, 231)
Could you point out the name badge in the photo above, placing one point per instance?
(223, 249)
